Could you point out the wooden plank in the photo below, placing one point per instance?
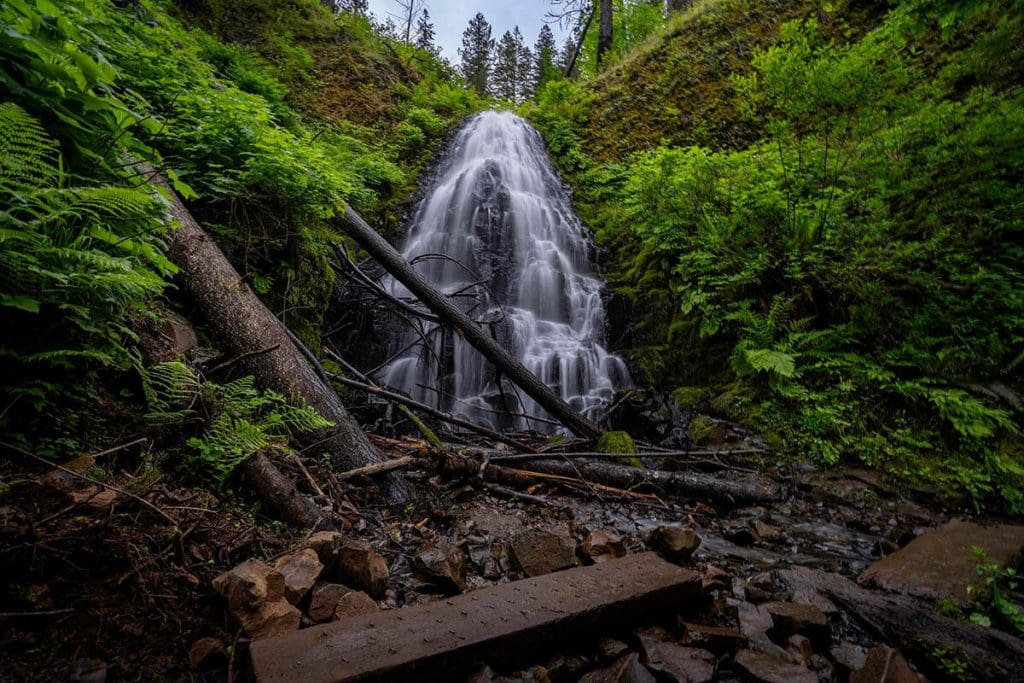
(521, 620)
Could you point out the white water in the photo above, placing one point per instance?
(522, 257)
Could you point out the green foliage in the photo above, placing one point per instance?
(239, 419)
(989, 603)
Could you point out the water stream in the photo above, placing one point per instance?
(496, 229)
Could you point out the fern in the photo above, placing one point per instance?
(171, 390)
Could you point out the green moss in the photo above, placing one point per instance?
(700, 429)
(691, 398)
(619, 442)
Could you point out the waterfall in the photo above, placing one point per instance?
(496, 229)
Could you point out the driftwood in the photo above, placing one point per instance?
(988, 654)
(240, 322)
(451, 314)
(279, 493)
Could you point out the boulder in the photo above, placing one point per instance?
(250, 584)
(770, 669)
(353, 604)
(941, 563)
(602, 545)
(885, 665)
(324, 600)
(360, 566)
(538, 552)
(300, 569)
(207, 654)
(326, 545)
(790, 618)
(676, 544)
(443, 565)
(269, 619)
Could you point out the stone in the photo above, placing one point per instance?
(354, 604)
(885, 665)
(677, 662)
(714, 578)
(849, 655)
(722, 640)
(537, 552)
(442, 564)
(627, 669)
(179, 334)
(611, 648)
(789, 618)
(769, 669)
(676, 544)
(360, 566)
(800, 647)
(326, 545)
(763, 531)
(324, 600)
(250, 584)
(740, 534)
(89, 670)
(300, 569)
(602, 545)
(941, 564)
(207, 654)
(269, 619)
(754, 619)
(93, 497)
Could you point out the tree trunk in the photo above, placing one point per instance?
(241, 323)
(571, 66)
(604, 32)
(280, 494)
(451, 314)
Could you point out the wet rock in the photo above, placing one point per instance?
(800, 647)
(676, 544)
(602, 545)
(941, 564)
(763, 531)
(627, 669)
(885, 665)
(207, 654)
(353, 604)
(89, 670)
(326, 545)
(443, 565)
(300, 569)
(491, 569)
(675, 661)
(741, 534)
(269, 619)
(325, 598)
(849, 656)
(770, 669)
(538, 552)
(790, 618)
(721, 640)
(754, 619)
(611, 648)
(360, 566)
(714, 578)
(250, 584)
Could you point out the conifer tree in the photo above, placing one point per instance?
(545, 52)
(525, 68)
(506, 71)
(425, 33)
(476, 52)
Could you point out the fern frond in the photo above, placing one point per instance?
(27, 153)
(170, 389)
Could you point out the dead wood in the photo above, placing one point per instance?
(279, 493)
(377, 468)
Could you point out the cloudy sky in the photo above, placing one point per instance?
(450, 18)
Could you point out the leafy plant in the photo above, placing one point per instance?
(989, 602)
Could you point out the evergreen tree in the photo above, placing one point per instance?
(525, 68)
(545, 52)
(476, 52)
(425, 33)
(506, 71)
(565, 57)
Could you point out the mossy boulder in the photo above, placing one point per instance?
(618, 442)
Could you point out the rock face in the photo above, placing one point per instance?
(250, 584)
(300, 569)
(359, 565)
(941, 564)
(675, 544)
(538, 552)
(602, 545)
(769, 669)
(442, 564)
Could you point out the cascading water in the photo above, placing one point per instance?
(496, 229)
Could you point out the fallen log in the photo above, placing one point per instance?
(279, 493)
(451, 314)
(987, 654)
(240, 322)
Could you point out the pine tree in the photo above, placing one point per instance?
(506, 68)
(425, 33)
(525, 68)
(565, 57)
(545, 52)
(476, 52)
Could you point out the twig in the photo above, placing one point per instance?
(505, 492)
(42, 613)
(97, 482)
(309, 477)
(119, 448)
(377, 468)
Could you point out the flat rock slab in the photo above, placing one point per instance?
(441, 640)
(941, 563)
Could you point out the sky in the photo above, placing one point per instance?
(450, 18)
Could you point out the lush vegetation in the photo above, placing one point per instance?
(91, 87)
(837, 258)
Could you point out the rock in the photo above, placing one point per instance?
(769, 669)
(353, 604)
(675, 544)
(721, 640)
(300, 569)
(714, 578)
(800, 647)
(93, 497)
(790, 618)
(326, 545)
(89, 670)
(885, 665)
(849, 655)
(627, 669)
(602, 545)
(754, 619)
(207, 654)
(611, 649)
(324, 600)
(740, 534)
(179, 334)
(442, 564)
(940, 564)
(678, 663)
(359, 565)
(538, 552)
(269, 619)
(763, 531)
(250, 584)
